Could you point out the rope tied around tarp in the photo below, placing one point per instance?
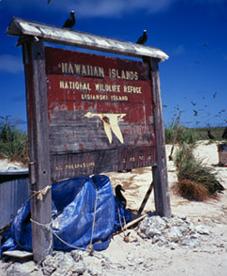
(40, 194)
(48, 226)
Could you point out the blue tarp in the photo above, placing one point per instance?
(74, 204)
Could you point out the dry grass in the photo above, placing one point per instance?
(191, 190)
(194, 177)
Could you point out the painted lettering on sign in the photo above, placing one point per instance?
(98, 107)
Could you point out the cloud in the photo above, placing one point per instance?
(94, 8)
(10, 64)
(104, 8)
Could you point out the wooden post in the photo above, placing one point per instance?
(159, 171)
(39, 166)
(144, 202)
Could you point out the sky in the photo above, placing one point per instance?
(192, 32)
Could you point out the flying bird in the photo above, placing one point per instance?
(195, 112)
(143, 38)
(110, 124)
(193, 103)
(118, 192)
(214, 95)
(71, 21)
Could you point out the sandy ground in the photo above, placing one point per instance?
(210, 258)
(143, 257)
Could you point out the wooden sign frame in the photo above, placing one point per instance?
(32, 35)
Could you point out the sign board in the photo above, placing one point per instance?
(100, 112)
(88, 114)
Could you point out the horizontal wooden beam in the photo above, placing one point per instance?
(21, 27)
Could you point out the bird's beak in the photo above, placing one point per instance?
(122, 189)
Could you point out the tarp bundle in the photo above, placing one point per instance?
(84, 210)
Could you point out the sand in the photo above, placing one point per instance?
(210, 258)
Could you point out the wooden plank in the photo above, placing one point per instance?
(59, 35)
(18, 255)
(36, 88)
(131, 223)
(144, 202)
(160, 179)
(70, 164)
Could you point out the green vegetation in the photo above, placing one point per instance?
(178, 134)
(195, 180)
(13, 142)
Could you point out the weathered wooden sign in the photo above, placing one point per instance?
(88, 114)
(100, 113)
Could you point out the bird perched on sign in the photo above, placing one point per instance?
(71, 21)
(118, 192)
(143, 38)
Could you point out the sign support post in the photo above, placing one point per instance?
(159, 170)
(39, 169)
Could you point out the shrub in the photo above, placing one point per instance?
(13, 143)
(192, 169)
(180, 134)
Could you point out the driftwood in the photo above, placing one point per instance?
(131, 223)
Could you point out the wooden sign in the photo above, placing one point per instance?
(88, 114)
(100, 113)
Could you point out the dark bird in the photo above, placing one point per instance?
(193, 103)
(205, 45)
(214, 95)
(210, 135)
(195, 112)
(143, 38)
(118, 192)
(71, 21)
(216, 187)
(224, 135)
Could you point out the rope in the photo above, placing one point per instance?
(90, 246)
(124, 222)
(48, 226)
(41, 193)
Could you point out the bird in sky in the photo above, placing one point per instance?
(193, 103)
(110, 124)
(70, 21)
(214, 95)
(195, 112)
(143, 38)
